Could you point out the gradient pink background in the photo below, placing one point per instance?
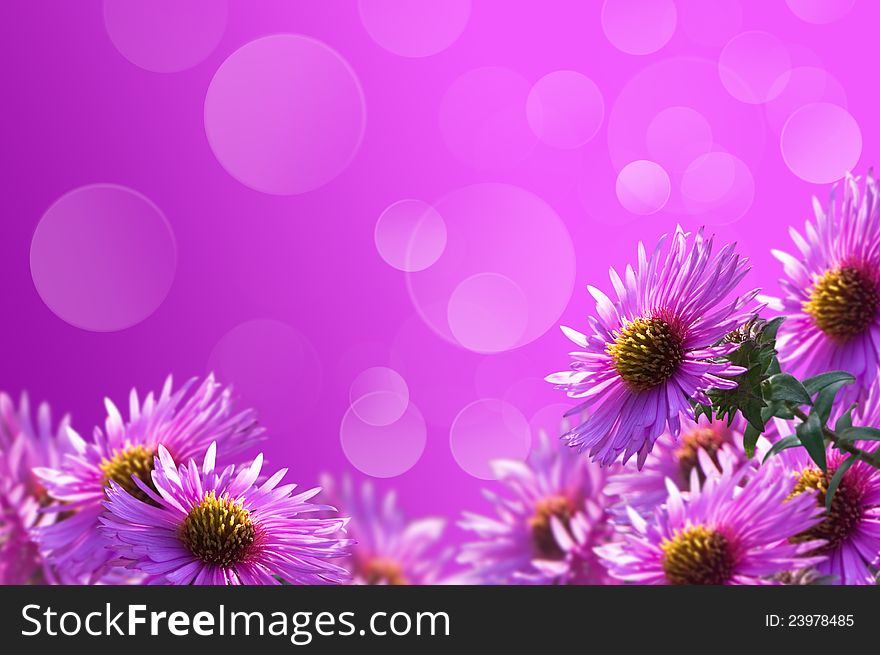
(287, 296)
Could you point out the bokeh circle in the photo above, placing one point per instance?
(665, 114)
(678, 134)
(709, 177)
(165, 36)
(565, 109)
(103, 257)
(821, 142)
(273, 368)
(820, 11)
(483, 118)
(754, 67)
(285, 114)
(485, 431)
(379, 396)
(639, 27)
(718, 187)
(488, 312)
(499, 237)
(709, 22)
(410, 235)
(383, 451)
(643, 187)
(415, 28)
(552, 422)
(806, 85)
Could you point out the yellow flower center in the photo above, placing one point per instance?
(218, 530)
(541, 525)
(841, 519)
(697, 556)
(134, 460)
(843, 303)
(646, 352)
(383, 571)
(690, 443)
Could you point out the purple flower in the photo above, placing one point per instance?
(184, 423)
(831, 294)
(24, 445)
(674, 459)
(550, 515)
(389, 550)
(647, 355)
(720, 532)
(865, 413)
(579, 564)
(850, 529)
(203, 526)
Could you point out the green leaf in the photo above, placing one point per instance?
(779, 409)
(769, 330)
(816, 383)
(757, 355)
(750, 440)
(702, 410)
(791, 441)
(752, 413)
(845, 420)
(811, 436)
(824, 402)
(788, 388)
(836, 478)
(856, 433)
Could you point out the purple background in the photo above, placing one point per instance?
(78, 112)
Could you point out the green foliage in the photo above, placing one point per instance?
(845, 420)
(859, 433)
(817, 383)
(791, 441)
(756, 354)
(786, 388)
(764, 392)
(824, 402)
(812, 437)
(750, 439)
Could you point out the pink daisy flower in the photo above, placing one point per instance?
(388, 550)
(648, 354)
(25, 444)
(551, 512)
(832, 290)
(676, 458)
(721, 532)
(201, 525)
(185, 422)
(850, 529)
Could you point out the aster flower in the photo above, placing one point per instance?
(719, 532)
(675, 458)
(651, 352)
(24, 444)
(831, 294)
(185, 422)
(389, 550)
(850, 528)
(551, 513)
(200, 525)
